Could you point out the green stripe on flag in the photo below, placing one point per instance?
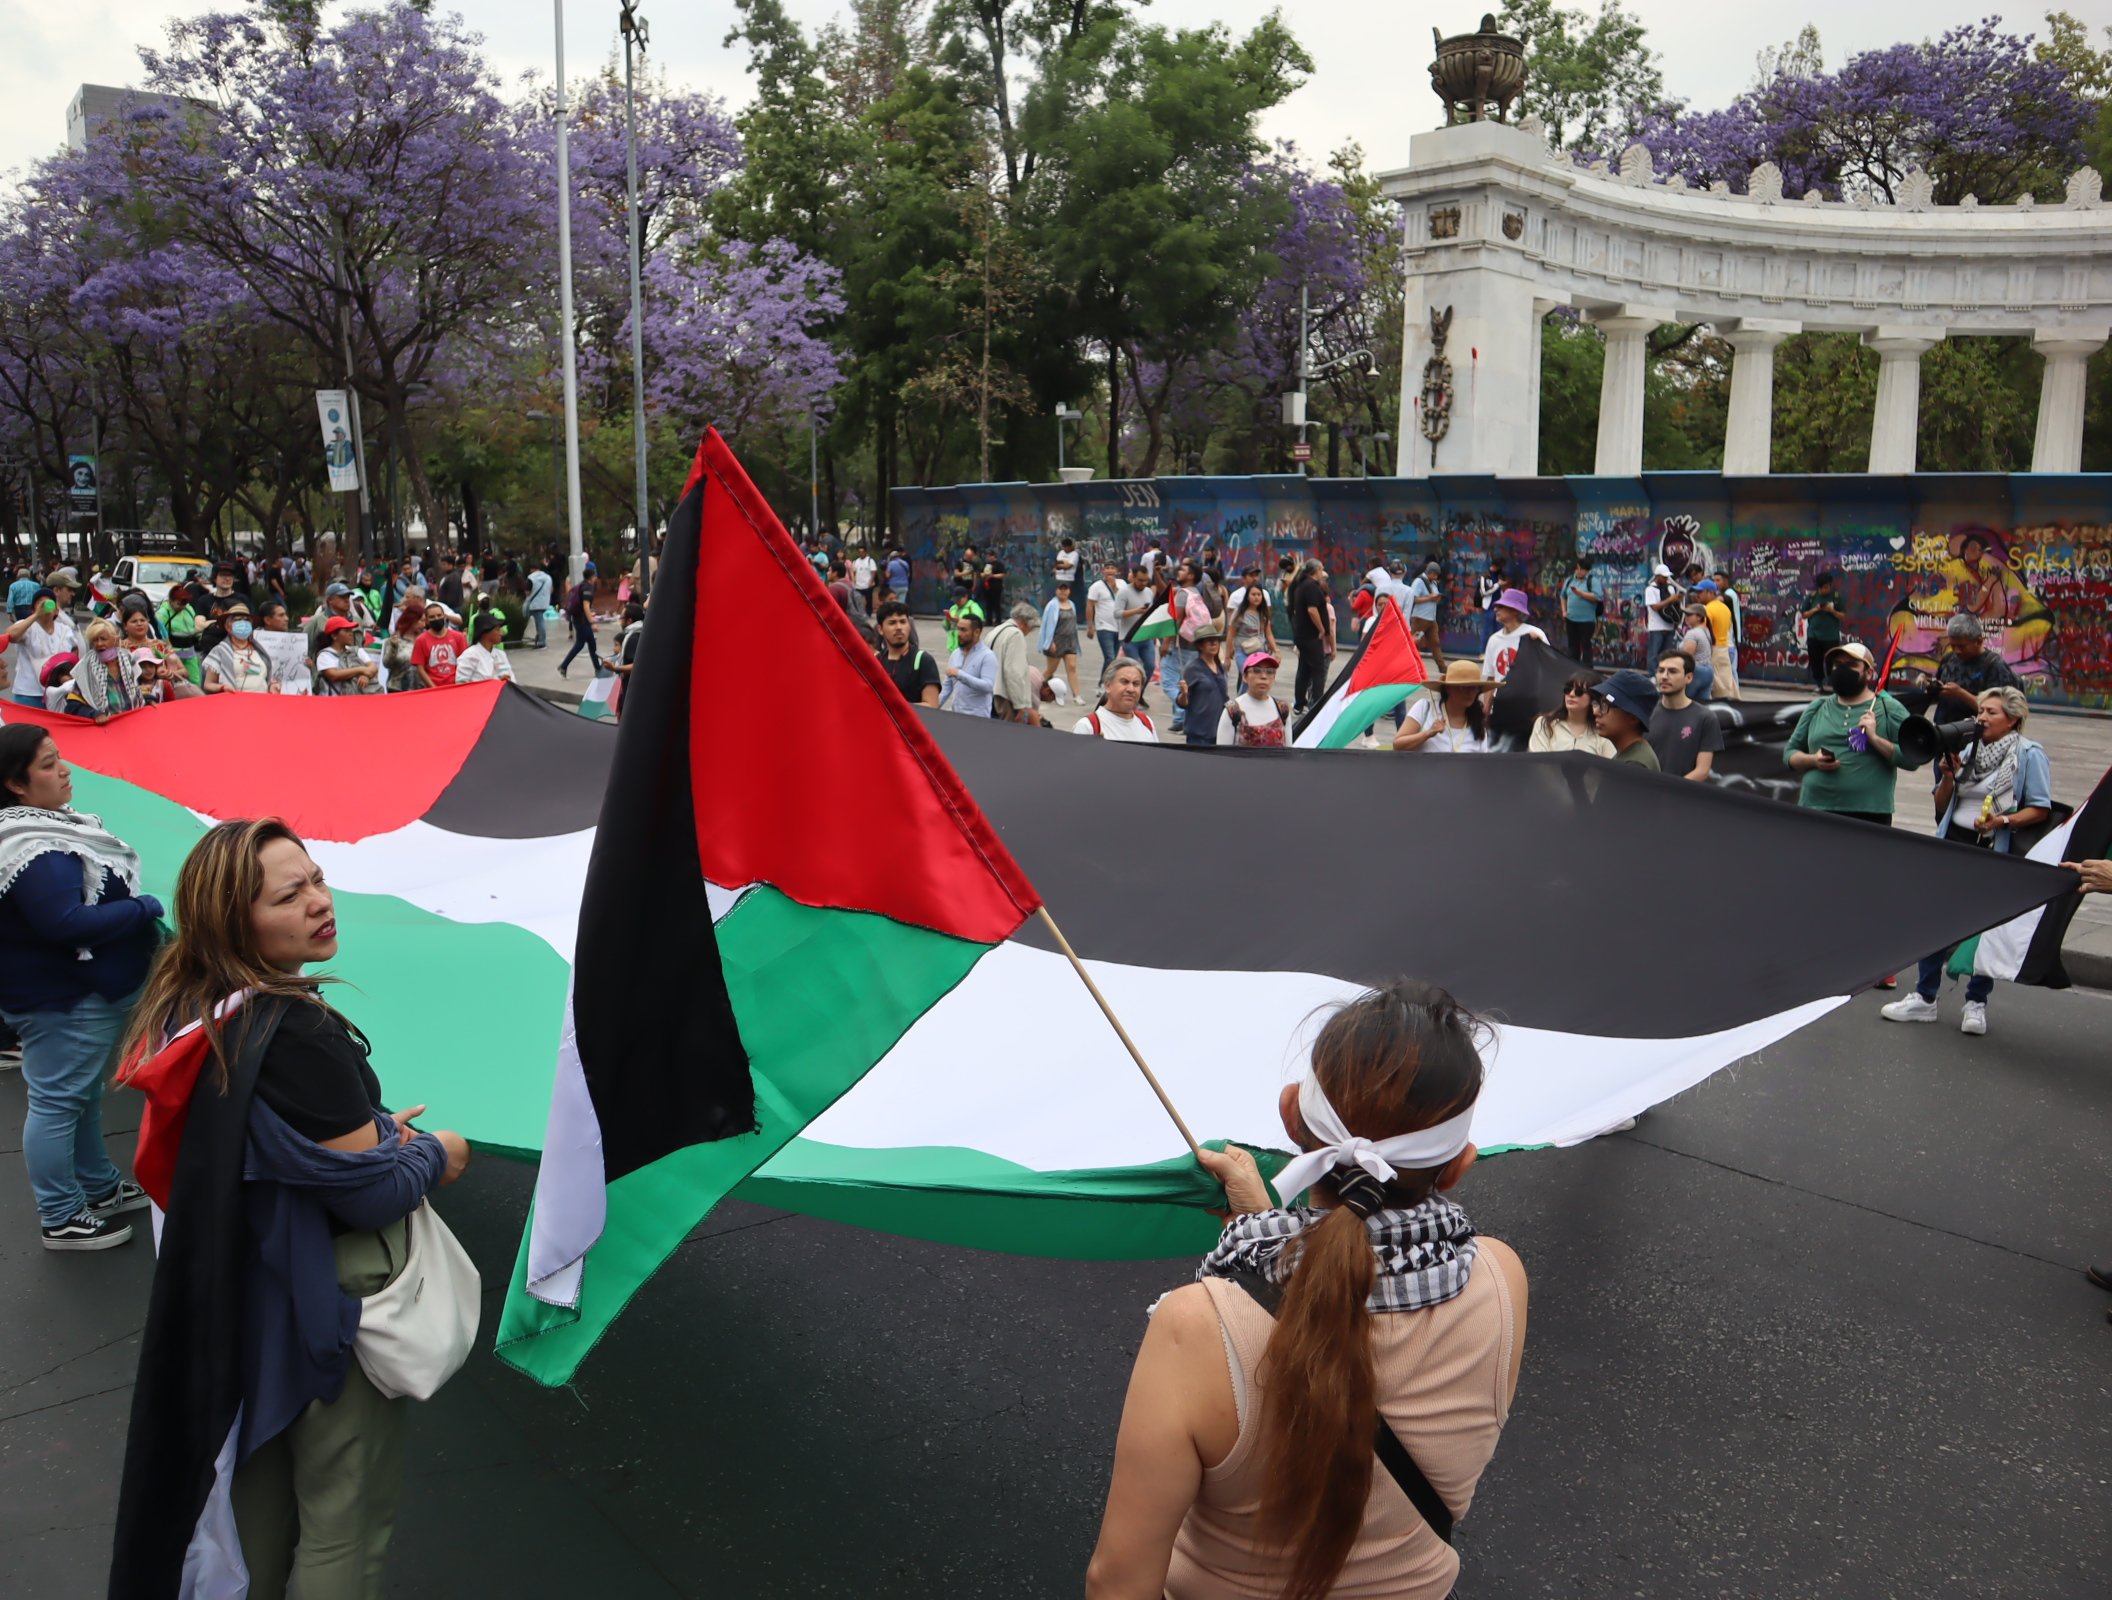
(1361, 710)
(787, 967)
(463, 1016)
(1158, 625)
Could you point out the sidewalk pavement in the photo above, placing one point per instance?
(2078, 745)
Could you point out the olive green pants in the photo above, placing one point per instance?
(315, 1507)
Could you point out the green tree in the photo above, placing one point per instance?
(1139, 203)
(1592, 79)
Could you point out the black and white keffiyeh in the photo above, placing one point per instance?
(1424, 1252)
(27, 832)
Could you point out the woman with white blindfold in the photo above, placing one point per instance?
(1311, 1415)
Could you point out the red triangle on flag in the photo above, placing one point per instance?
(810, 772)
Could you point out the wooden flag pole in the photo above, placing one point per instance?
(1121, 1032)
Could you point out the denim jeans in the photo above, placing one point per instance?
(1145, 652)
(36, 700)
(582, 639)
(1173, 666)
(1977, 988)
(542, 634)
(1110, 646)
(66, 1055)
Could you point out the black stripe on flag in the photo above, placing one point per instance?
(1540, 887)
(1341, 679)
(658, 1043)
(2089, 839)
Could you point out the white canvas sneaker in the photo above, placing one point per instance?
(1910, 1008)
(1975, 1018)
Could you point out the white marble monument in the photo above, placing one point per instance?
(1500, 229)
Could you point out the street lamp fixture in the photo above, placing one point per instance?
(1295, 412)
(1065, 413)
(634, 37)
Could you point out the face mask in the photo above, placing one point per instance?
(1847, 682)
(439, 626)
(241, 630)
(108, 653)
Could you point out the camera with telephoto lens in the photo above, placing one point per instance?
(1922, 741)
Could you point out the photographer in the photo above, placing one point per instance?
(1996, 794)
(1844, 743)
(1967, 671)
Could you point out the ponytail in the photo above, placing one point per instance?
(1322, 1395)
(1403, 1057)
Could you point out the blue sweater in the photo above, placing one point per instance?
(45, 924)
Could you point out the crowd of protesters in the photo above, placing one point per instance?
(84, 647)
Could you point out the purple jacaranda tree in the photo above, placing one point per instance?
(1324, 246)
(364, 173)
(46, 403)
(1974, 108)
(185, 373)
(732, 330)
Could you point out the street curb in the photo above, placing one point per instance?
(557, 697)
(2088, 969)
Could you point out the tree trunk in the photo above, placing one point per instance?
(430, 509)
(884, 471)
(472, 516)
(1114, 410)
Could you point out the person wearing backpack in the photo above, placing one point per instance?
(914, 672)
(579, 607)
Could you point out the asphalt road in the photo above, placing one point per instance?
(1816, 1328)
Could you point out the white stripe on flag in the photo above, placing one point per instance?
(2003, 948)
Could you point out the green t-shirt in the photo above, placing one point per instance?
(1866, 781)
(1640, 754)
(1821, 627)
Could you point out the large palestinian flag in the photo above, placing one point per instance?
(457, 825)
(1386, 670)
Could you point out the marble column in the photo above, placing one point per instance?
(1892, 428)
(2058, 445)
(1748, 437)
(1627, 330)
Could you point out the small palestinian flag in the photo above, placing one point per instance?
(598, 700)
(2027, 948)
(1157, 623)
(1386, 670)
(738, 966)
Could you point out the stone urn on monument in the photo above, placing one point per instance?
(1477, 74)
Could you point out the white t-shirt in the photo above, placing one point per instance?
(1149, 562)
(863, 571)
(1102, 601)
(1655, 594)
(1378, 578)
(1450, 741)
(1259, 714)
(336, 660)
(1502, 650)
(35, 647)
(1067, 565)
(1117, 730)
(479, 665)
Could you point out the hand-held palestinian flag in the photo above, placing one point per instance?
(1386, 670)
(595, 700)
(2027, 949)
(1157, 623)
(738, 967)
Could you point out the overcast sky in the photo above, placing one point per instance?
(1368, 85)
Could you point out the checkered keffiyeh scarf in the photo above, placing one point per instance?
(1425, 1252)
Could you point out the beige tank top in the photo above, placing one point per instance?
(1442, 1376)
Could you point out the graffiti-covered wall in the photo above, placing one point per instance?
(2030, 555)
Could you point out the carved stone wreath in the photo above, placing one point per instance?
(1435, 419)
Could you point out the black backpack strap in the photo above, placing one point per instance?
(1386, 1444)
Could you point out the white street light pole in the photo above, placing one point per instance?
(1066, 413)
(634, 40)
(564, 309)
(1307, 372)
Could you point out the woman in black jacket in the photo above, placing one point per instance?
(287, 1188)
(76, 936)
